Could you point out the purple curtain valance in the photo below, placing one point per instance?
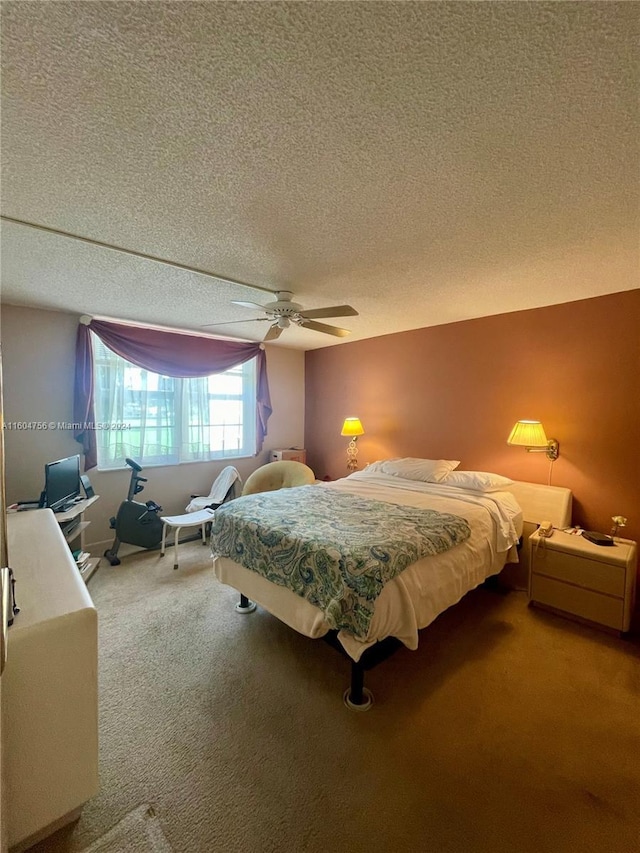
(166, 353)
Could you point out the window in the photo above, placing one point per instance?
(166, 420)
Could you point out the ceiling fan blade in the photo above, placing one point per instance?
(274, 332)
(333, 311)
(328, 330)
(231, 322)
(251, 305)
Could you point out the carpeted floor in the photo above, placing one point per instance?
(508, 730)
(137, 832)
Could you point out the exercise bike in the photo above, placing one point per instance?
(135, 523)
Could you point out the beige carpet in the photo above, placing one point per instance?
(138, 832)
(508, 730)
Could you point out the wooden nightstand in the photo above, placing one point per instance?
(578, 579)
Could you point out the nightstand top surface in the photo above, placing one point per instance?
(620, 553)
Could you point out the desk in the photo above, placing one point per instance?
(77, 532)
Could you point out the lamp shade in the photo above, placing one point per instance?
(528, 434)
(352, 426)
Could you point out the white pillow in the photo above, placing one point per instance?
(426, 470)
(479, 481)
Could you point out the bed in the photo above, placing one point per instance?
(262, 548)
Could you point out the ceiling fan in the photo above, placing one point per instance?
(283, 312)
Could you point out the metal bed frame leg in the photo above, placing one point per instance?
(357, 697)
(244, 605)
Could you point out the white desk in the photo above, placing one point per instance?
(79, 509)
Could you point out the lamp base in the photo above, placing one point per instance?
(352, 455)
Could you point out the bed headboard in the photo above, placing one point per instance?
(543, 503)
(539, 503)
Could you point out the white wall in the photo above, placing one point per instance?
(38, 360)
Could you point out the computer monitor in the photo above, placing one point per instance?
(62, 483)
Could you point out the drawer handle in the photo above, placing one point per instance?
(5, 584)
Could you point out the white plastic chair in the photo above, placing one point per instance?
(177, 522)
(226, 486)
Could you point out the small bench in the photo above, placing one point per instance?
(177, 522)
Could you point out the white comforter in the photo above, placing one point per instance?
(422, 591)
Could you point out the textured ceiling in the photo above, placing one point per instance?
(424, 162)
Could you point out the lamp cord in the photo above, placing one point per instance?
(550, 471)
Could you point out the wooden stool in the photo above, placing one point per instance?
(177, 522)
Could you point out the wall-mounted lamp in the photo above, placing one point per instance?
(531, 434)
(352, 427)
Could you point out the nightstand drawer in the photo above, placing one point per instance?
(601, 577)
(581, 602)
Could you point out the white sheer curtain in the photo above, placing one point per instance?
(164, 420)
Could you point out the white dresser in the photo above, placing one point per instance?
(50, 684)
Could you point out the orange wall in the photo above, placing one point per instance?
(455, 391)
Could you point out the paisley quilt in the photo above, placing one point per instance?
(334, 549)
